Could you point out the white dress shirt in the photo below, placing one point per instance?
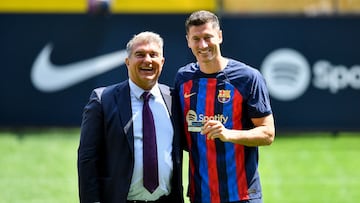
(164, 136)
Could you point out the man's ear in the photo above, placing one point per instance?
(127, 61)
(187, 40)
(220, 37)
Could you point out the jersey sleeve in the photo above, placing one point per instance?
(259, 99)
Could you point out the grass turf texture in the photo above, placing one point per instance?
(40, 166)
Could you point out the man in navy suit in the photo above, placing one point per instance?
(110, 153)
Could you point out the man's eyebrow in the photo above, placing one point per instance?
(147, 52)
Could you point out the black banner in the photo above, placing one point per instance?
(51, 62)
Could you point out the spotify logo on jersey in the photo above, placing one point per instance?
(287, 74)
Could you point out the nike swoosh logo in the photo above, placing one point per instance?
(48, 77)
(187, 95)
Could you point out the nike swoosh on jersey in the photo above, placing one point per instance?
(48, 77)
(187, 95)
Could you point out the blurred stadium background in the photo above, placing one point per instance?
(306, 49)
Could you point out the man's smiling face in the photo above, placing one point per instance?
(145, 64)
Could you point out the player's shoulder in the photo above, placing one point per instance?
(239, 66)
(186, 72)
(236, 67)
(240, 72)
(188, 68)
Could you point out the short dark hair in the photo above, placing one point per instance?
(200, 18)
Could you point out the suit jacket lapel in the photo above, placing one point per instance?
(122, 98)
(165, 92)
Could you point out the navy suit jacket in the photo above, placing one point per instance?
(106, 149)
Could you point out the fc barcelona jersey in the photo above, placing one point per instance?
(221, 171)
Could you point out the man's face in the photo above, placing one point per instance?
(145, 64)
(204, 41)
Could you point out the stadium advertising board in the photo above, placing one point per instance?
(51, 62)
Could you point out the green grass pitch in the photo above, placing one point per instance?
(39, 166)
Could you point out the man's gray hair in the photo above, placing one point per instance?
(146, 36)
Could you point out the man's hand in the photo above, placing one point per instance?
(262, 134)
(215, 129)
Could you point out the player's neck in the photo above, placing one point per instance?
(213, 66)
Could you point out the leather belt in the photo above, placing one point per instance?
(160, 200)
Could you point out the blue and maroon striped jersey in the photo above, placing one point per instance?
(221, 171)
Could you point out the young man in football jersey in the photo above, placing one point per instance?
(226, 113)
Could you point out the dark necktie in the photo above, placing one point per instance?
(151, 176)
